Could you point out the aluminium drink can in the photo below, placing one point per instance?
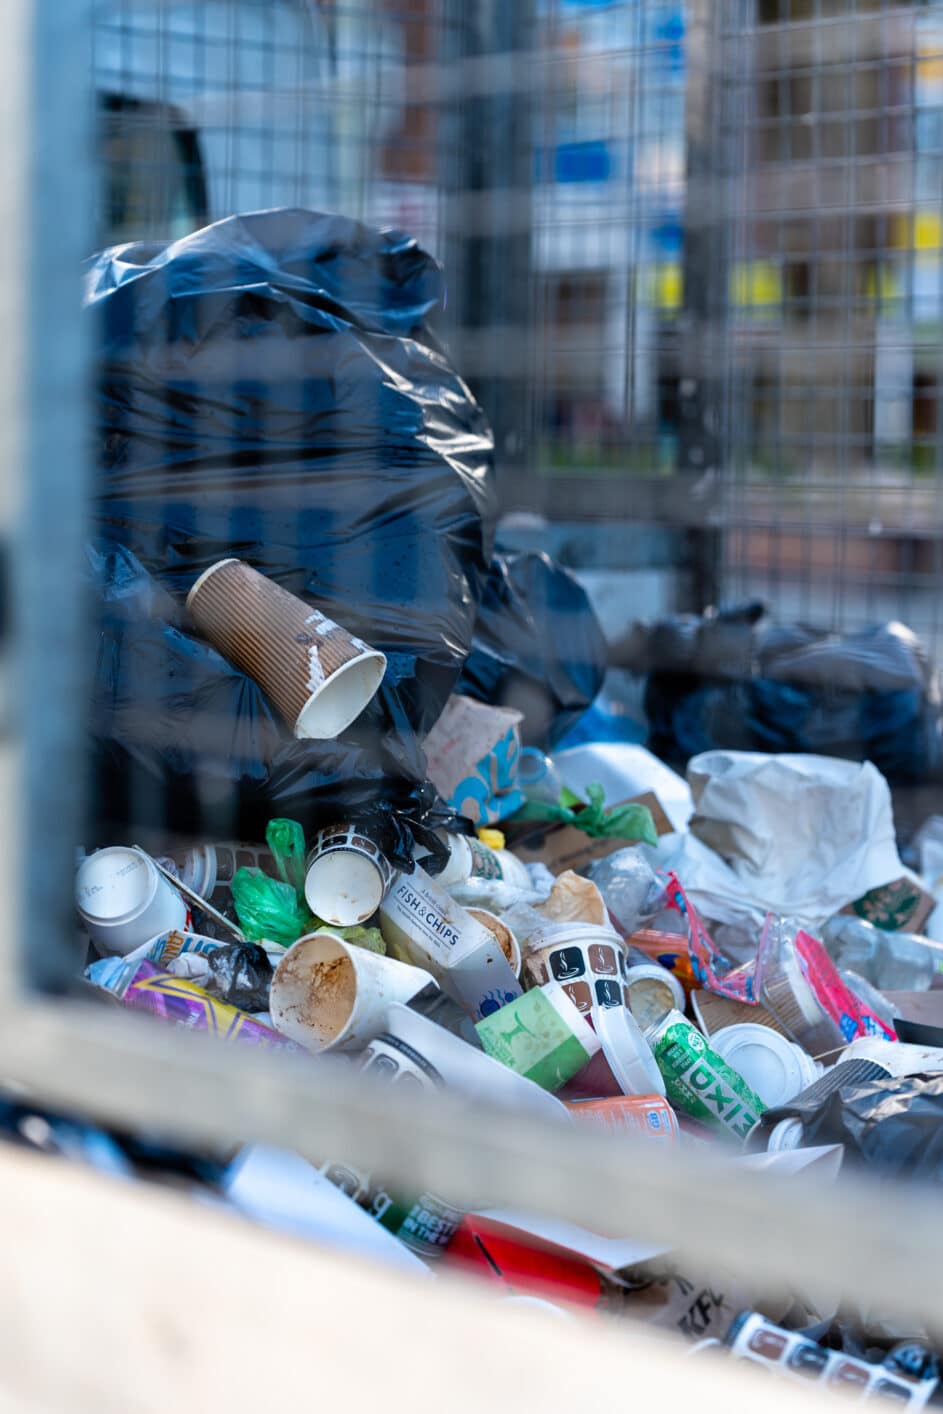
(699, 1081)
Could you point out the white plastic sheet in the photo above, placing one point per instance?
(796, 835)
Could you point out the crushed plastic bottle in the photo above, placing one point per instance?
(903, 962)
(538, 776)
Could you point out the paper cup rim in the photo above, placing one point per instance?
(334, 1042)
(642, 971)
(556, 935)
(361, 917)
(331, 682)
(229, 560)
(515, 962)
(95, 919)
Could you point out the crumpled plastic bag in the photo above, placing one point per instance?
(893, 1125)
(538, 646)
(631, 821)
(268, 909)
(631, 888)
(241, 975)
(270, 387)
(795, 835)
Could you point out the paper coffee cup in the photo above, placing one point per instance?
(509, 944)
(318, 675)
(329, 995)
(540, 1035)
(194, 867)
(125, 901)
(348, 876)
(396, 1062)
(587, 961)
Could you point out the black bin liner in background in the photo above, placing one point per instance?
(727, 682)
(538, 646)
(269, 388)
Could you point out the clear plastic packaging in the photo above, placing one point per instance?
(628, 883)
(896, 962)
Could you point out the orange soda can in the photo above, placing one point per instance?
(648, 1115)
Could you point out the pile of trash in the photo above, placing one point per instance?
(594, 994)
(737, 959)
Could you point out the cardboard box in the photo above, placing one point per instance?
(902, 906)
(567, 847)
(423, 925)
(471, 759)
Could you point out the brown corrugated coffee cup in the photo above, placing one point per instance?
(319, 676)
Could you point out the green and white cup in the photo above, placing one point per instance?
(540, 1035)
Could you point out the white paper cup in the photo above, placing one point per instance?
(347, 876)
(587, 960)
(509, 944)
(460, 859)
(497, 865)
(125, 901)
(194, 867)
(469, 1071)
(329, 995)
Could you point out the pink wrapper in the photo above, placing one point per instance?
(178, 1000)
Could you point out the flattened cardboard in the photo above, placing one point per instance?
(566, 847)
(713, 1013)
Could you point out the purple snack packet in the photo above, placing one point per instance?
(181, 1001)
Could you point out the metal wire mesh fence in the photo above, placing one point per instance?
(663, 317)
(833, 475)
(678, 240)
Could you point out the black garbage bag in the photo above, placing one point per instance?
(892, 1125)
(184, 741)
(538, 646)
(721, 682)
(269, 388)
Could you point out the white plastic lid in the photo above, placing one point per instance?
(627, 1051)
(114, 885)
(343, 887)
(775, 1068)
(787, 1134)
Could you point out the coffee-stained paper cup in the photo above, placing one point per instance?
(347, 876)
(329, 995)
(318, 675)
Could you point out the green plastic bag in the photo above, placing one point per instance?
(275, 910)
(286, 840)
(622, 822)
(268, 909)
